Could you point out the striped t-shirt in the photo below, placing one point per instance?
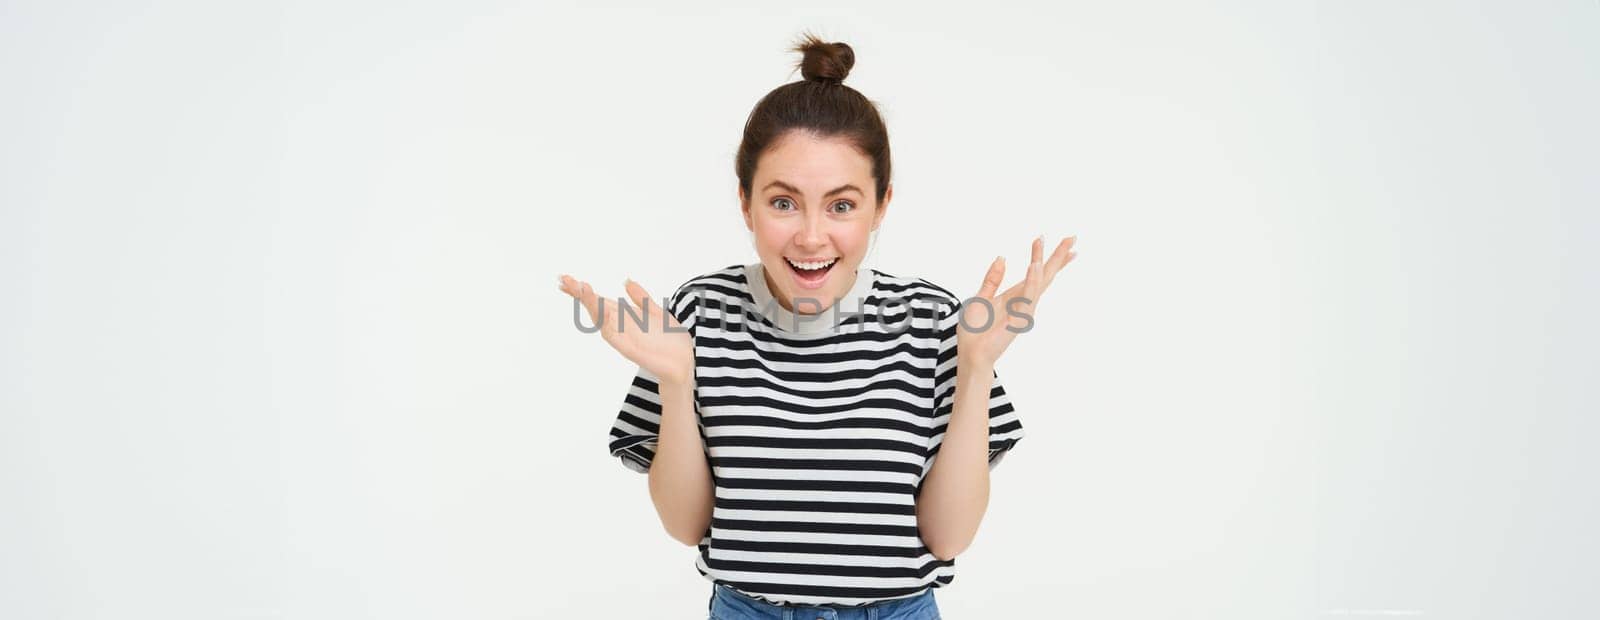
(818, 436)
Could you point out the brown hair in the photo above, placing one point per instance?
(820, 104)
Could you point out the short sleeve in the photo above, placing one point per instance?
(1005, 428)
(638, 422)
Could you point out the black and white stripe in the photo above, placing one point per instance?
(818, 439)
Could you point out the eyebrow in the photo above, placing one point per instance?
(790, 188)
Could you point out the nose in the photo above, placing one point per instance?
(811, 233)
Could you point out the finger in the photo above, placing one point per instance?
(571, 286)
(604, 316)
(991, 280)
(1035, 283)
(638, 295)
(1035, 268)
(652, 310)
(1027, 290)
(1058, 259)
(637, 307)
(590, 301)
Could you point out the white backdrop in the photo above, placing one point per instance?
(280, 333)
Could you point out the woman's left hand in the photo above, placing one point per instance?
(984, 345)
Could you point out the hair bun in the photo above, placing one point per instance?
(824, 61)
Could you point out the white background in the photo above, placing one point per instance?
(280, 333)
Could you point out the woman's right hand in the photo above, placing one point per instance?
(669, 355)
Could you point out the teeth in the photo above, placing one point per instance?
(810, 266)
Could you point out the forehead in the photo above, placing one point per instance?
(807, 161)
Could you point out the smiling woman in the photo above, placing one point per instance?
(794, 450)
(807, 224)
(810, 147)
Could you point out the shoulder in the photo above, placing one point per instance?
(730, 277)
(916, 290)
(720, 283)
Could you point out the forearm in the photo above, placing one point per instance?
(680, 475)
(955, 492)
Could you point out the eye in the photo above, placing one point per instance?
(851, 206)
(777, 202)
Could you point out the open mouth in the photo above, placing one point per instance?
(811, 274)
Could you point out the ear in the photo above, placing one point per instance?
(883, 207)
(744, 208)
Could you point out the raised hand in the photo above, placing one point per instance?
(669, 354)
(985, 345)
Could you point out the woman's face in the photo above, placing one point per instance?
(812, 203)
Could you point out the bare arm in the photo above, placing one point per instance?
(955, 493)
(680, 475)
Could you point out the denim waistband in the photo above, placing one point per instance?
(764, 603)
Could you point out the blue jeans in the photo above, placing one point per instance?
(730, 604)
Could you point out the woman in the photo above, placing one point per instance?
(788, 412)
